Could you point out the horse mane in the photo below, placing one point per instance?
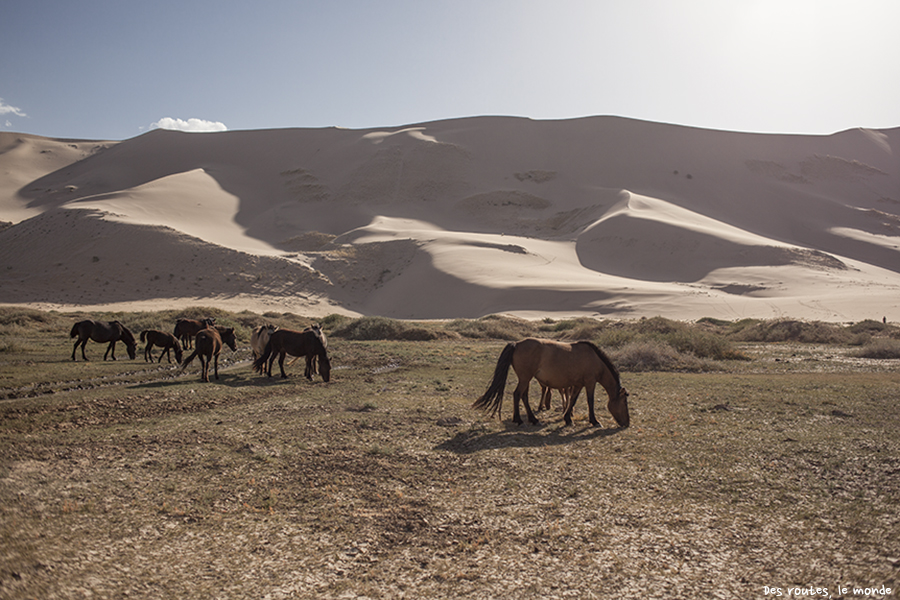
(609, 365)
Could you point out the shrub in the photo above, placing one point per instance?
(493, 327)
(654, 356)
(879, 348)
(794, 331)
(381, 328)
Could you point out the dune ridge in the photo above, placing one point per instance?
(601, 216)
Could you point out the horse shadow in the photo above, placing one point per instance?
(522, 436)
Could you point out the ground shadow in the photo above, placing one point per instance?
(523, 436)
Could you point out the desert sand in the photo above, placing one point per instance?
(601, 216)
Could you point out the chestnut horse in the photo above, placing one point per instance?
(186, 329)
(164, 340)
(208, 345)
(560, 366)
(102, 331)
(306, 343)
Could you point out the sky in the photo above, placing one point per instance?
(115, 69)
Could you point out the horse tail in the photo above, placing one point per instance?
(144, 335)
(259, 365)
(188, 360)
(493, 397)
(74, 332)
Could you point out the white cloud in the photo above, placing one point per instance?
(6, 109)
(192, 125)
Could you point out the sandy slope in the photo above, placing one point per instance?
(460, 218)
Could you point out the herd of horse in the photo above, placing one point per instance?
(567, 367)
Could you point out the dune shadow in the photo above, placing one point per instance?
(523, 436)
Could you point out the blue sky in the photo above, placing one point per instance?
(99, 69)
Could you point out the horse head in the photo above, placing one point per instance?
(324, 367)
(128, 339)
(618, 408)
(228, 337)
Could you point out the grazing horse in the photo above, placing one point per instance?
(560, 366)
(166, 341)
(296, 343)
(208, 345)
(186, 329)
(260, 337)
(102, 331)
(312, 362)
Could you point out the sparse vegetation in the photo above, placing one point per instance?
(131, 479)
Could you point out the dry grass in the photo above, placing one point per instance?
(133, 480)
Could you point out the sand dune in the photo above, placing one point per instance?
(459, 218)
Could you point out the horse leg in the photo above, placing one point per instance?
(516, 395)
(521, 393)
(531, 418)
(216, 364)
(570, 405)
(75, 347)
(309, 370)
(204, 368)
(281, 364)
(590, 401)
(110, 350)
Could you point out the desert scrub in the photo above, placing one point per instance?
(816, 332)
(879, 348)
(382, 328)
(655, 355)
(493, 327)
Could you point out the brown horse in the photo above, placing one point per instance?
(208, 345)
(186, 329)
(102, 331)
(260, 337)
(561, 366)
(296, 343)
(166, 341)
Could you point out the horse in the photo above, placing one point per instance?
(306, 343)
(312, 362)
(556, 365)
(208, 345)
(166, 341)
(102, 331)
(186, 329)
(259, 337)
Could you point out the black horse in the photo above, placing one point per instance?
(164, 340)
(102, 331)
(306, 343)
